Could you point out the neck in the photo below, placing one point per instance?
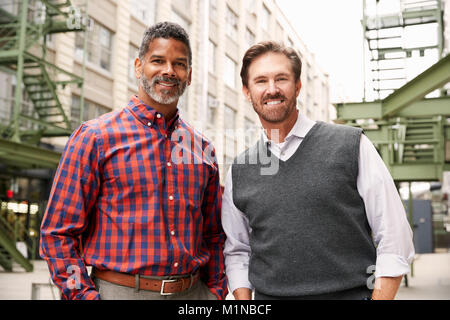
(277, 132)
(167, 110)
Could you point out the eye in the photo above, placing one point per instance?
(157, 61)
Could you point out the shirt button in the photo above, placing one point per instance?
(149, 124)
(175, 264)
(165, 136)
(172, 233)
(158, 115)
(170, 197)
(169, 164)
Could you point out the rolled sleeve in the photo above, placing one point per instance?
(391, 265)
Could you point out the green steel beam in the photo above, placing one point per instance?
(361, 110)
(24, 155)
(373, 110)
(63, 131)
(416, 172)
(19, 75)
(433, 78)
(10, 247)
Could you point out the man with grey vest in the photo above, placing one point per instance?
(310, 211)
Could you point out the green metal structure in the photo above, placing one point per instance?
(23, 33)
(411, 132)
(410, 129)
(36, 110)
(396, 32)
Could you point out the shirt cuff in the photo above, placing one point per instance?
(391, 265)
(238, 279)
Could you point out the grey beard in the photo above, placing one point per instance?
(165, 97)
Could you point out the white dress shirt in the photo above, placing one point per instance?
(384, 209)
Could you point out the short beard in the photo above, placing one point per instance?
(165, 97)
(270, 115)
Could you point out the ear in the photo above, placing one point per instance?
(246, 93)
(189, 77)
(138, 68)
(298, 86)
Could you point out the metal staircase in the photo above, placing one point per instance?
(8, 250)
(417, 140)
(23, 32)
(388, 45)
(36, 108)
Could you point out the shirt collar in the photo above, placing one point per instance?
(299, 130)
(149, 116)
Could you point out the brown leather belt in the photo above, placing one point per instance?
(164, 287)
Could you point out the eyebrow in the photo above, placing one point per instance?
(278, 75)
(162, 57)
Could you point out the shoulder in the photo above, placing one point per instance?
(94, 132)
(105, 121)
(339, 128)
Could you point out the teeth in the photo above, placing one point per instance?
(273, 102)
(167, 84)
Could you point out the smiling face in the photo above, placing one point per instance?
(164, 73)
(272, 88)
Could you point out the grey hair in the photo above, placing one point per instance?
(165, 30)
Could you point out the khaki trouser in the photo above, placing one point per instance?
(111, 291)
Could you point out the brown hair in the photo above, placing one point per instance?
(265, 47)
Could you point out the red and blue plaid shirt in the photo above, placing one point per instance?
(136, 195)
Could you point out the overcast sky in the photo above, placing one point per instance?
(332, 30)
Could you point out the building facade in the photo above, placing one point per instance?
(220, 31)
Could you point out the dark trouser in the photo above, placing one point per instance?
(360, 293)
(111, 291)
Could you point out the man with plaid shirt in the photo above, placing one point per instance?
(137, 195)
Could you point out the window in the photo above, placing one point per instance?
(181, 21)
(230, 135)
(99, 45)
(249, 37)
(290, 43)
(182, 105)
(250, 131)
(279, 34)
(250, 5)
(144, 10)
(230, 72)
(212, 57)
(213, 9)
(211, 112)
(265, 18)
(133, 53)
(230, 118)
(231, 21)
(91, 110)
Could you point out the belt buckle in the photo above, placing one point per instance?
(162, 287)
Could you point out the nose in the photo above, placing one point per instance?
(169, 70)
(272, 87)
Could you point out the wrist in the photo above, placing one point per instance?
(242, 294)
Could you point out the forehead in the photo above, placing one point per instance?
(167, 48)
(270, 63)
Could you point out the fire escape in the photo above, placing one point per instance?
(35, 110)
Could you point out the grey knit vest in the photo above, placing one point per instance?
(309, 230)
